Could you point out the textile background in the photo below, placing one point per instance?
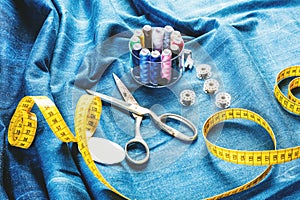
(59, 48)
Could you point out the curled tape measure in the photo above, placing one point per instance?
(23, 125)
(243, 157)
(257, 158)
(289, 102)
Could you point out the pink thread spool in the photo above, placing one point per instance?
(166, 64)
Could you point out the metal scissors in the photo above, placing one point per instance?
(138, 112)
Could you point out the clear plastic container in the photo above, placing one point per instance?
(161, 79)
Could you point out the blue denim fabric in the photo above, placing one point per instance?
(58, 48)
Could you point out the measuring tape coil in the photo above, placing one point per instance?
(257, 158)
(289, 102)
(22, 127)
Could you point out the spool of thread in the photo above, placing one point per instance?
(144, 65)
(175, 50)
(178, 41)
(155, 67)
(175, 56)
(147, 30)
(158, 39)
(134, 40)
(167, 38)
(166, 65)
(175, 34)
(135, 58)
(139, 33)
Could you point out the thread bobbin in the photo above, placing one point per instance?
(203, 71)
(187, 97)
(211, 86)
(223, 100)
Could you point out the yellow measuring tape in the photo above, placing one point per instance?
(257, 158)
(23, 125)
(289, 102)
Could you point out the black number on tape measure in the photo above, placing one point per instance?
(90, 123)
(227, 155)
(58, 128)
(267, 158)
(234, 157)
(250, 158)
(50, 114)
(259, 158)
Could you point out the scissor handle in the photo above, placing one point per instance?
(159, 121)
(135, 141)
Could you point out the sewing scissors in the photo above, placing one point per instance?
(138, 112)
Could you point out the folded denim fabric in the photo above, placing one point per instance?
(59, 48)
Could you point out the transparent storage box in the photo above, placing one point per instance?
(156, 63)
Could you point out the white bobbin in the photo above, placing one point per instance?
(211, 86)
(223, 100)
(187, 97)
(203, 71)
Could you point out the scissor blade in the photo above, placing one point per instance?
(124, 91)
(119, 103)
(111, 100)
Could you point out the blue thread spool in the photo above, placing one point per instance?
(155, 67)
(135, 61)
(144, 65)
(167, 37)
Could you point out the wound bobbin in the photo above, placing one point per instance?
(211, 86)
(203, 71)
(187, 97)
(223, 100)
